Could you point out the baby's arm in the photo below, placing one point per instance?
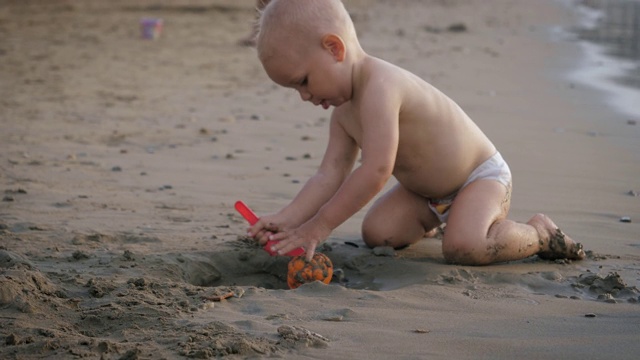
(337, 163)
(380, 133)
(378, 119)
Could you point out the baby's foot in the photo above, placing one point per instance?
(436, 232)
(554, 243)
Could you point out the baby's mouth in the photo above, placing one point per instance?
(325, 104)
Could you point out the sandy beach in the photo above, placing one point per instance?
(121, 159)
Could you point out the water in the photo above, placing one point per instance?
(609, 36)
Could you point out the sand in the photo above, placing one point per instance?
(121, 159)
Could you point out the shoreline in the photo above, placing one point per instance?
(607, 65)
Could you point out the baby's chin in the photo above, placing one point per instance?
(335, 103)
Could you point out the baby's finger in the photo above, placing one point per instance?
(254, 230)
(284, 247)
(260, 237)
(264, 237)
(310, 252)
(278, 236)
(276, 239)
(272, 227)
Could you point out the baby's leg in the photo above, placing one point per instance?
(398, 218)
(478, 232)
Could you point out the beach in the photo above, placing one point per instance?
(121, 159)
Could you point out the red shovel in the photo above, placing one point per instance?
(252, 218)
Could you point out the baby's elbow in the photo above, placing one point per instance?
(375, 174)
(385, 170)
(382, 175)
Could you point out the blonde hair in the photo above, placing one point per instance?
(293, 21)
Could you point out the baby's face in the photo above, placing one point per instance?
(312, 71)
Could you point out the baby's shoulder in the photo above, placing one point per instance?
(379, 69)
(381, 77)
(395, 78)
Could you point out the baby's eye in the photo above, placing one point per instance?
(304, 81)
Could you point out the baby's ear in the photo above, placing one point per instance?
(334, 44)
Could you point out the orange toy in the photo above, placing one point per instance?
(302, 271)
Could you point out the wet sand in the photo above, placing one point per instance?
(610, 31)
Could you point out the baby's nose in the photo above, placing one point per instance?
(304, 95)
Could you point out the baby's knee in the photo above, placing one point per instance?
(373, 234)
(381, 233)
(378, 232)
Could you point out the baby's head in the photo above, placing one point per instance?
(300, 23)
(308, 45)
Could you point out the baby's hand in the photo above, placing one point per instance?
(307, 236)
(264, 228)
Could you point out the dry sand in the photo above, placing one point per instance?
(121, 158)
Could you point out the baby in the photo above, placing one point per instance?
(250, 39)
(447, 170)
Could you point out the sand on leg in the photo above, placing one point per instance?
(478, 232)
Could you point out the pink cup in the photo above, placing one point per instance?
(150, 28)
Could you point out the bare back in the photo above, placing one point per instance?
(438, 145)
